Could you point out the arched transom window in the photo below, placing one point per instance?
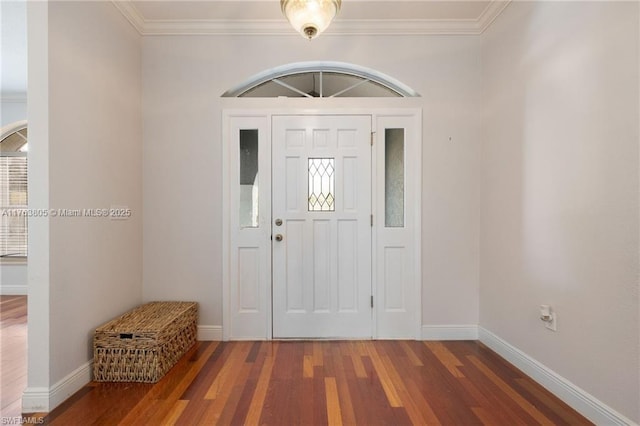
(320, 80)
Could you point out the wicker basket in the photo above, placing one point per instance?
(143, 344)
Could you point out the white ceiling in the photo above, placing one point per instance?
(356, 17)
(270, 9)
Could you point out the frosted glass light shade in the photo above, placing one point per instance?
(310, 17)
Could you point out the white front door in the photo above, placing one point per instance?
(321, 226)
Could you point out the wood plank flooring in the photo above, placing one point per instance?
(13, 353)
(324, 382)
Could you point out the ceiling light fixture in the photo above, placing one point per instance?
(310, 17)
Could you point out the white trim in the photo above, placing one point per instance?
(492, 11)
(583, 402)
(35, 400)
(417, 220)
(38, 400)
(321, 66)
(390, 27)
(11, 128)
(132, 15)
(280, 27)
(450, 332)
(226, 227)
(210, 333)
(71, 384)
(13, 290)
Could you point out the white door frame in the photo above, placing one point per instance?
(234, 119)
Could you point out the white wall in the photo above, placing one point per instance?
(93, 118)
(13, 278)
(13, 109)
(183, 78)
(560, 190)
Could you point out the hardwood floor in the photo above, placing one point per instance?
(13, 353)
(320, 382)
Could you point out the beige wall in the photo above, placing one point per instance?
(549, 92)
(560, 190)
(95, 162)
(84, 270)
(183, 78)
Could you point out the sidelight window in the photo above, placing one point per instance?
(249, 194)
(394, 178)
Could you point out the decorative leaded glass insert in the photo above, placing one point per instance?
(322, 185)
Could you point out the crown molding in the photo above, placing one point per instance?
(132, 15)
(338, 28)
(490, 13)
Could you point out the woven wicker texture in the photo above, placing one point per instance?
(143, 344)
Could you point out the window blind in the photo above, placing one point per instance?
(13, 204)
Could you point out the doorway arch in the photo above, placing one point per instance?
(323, 79)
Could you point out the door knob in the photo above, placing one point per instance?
(278, 237)
(278, 222)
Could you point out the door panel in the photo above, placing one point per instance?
(322, 193)
(397, 230)
(249, 171)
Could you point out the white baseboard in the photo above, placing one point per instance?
(209, 333)
(35, 400)
(450, 332)
(38, 400)
(583, 402)
(71, 384)
(13, 290)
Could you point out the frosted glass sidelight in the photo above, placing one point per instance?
(322, 185)
(249, 178)
(394, 178)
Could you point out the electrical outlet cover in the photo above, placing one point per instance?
(553, 324)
